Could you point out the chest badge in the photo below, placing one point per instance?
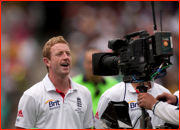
(79, 106)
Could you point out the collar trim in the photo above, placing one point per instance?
(50, 87)
(132, 90)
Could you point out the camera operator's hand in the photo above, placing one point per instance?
(171, 99)
(146, 100)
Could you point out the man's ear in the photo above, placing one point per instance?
(46, 61)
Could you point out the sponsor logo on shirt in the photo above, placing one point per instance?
(20, 114)
(53, 104)
(133, 105)
(79, 106)
(97, 116)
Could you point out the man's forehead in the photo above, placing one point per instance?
(60, 45)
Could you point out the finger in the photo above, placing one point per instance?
(140, 103)
(163, 95)
(140, 96)
(139, 99)
(160, 97)
(169, 102)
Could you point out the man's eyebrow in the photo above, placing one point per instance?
(58, 51)
(62, 51)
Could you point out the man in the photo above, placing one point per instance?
(56, 102)
(128, 92)
(168, 111)
(97, 85)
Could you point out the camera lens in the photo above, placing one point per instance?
(116, 44)
(110, 62)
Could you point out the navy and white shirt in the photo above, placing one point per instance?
(42, 107)
(168, 112)
(126, 92)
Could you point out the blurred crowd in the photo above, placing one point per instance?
(26, 26)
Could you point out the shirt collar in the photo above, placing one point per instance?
(132, 90)
(130, 87)
(50, 87)
(73, 85)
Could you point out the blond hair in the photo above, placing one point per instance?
(51, 42)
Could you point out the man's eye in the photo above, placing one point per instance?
(68, 53)
(59, 54)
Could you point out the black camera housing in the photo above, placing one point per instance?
(135, 57)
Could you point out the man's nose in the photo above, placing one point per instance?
(65, 56)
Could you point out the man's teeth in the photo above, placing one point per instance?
(64, 65)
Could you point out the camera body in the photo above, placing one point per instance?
(137, 59)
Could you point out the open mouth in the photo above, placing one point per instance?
(65, 65)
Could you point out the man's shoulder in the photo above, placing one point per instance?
(116, 90)
(118, 86)
(160, 88)
(35, 89)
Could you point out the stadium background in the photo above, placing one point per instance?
(26, 26)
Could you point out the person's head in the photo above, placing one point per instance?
(88, 61)
(57, 56)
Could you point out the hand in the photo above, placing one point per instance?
(146, 100)
(171, 99)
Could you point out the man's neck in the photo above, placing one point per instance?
(61, 83)
(137, 84)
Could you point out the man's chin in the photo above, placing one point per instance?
(65, 72)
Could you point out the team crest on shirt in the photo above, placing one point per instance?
(79, 106)
(53, 104)
(133, 105)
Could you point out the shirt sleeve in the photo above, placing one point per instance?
(103, 103)
(26, 116)
(89, 116)
(177, 95)
(167, 112)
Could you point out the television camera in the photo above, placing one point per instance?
(141, 59)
